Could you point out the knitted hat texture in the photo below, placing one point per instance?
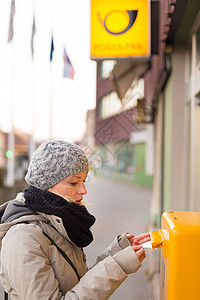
(53, 161)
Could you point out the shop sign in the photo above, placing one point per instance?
(120, 29)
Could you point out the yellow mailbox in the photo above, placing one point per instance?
(179, 238)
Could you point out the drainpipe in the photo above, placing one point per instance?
(162, 156)
(192, 125)
(164, 79)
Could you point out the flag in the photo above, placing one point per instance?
(68, 68)
(12, 13)
(52, 49)
(32, 37)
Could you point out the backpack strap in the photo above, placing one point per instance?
(66, 257)
(5, 296)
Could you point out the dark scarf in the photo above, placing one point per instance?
(76, 219)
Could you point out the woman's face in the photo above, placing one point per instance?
(72, 186)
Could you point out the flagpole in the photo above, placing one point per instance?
(51, 91)
(68, 72)
(62, 123)
(51, 103)
(32, 136)
(11, 134)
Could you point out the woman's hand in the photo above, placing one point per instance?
(138, 240)
(139, 250)
(136, 243)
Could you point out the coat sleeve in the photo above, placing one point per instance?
(35, 278)
(103, 279)
(119, 243)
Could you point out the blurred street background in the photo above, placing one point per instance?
(118, 208)
(122, 80)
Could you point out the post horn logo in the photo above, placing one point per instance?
(131, 14)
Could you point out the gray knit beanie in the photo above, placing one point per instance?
(53, 161)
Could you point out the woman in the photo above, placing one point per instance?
(44, 230)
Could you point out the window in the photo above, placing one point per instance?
(134, 93)
(110, 105)
(107, 67)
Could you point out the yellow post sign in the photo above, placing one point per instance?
(120, 29)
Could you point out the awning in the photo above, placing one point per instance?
(124, 73)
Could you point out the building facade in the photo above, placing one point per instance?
(121, 136)
(174, 89)
(147, 113)
(20, 155)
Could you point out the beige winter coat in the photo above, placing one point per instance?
(33, 269)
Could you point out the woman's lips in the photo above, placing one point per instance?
(79, 201)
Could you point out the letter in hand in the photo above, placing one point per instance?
(139, 239)
(136, 243)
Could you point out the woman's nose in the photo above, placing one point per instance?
(82, 189)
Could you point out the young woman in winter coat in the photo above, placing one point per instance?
(44, 230)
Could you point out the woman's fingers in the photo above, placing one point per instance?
(142, 238)
(137, 242)
(130, 237)
(136, 247)
(139, 250)
(142, 257)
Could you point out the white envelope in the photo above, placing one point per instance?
(147, 245)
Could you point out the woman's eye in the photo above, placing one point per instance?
(73, 183)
